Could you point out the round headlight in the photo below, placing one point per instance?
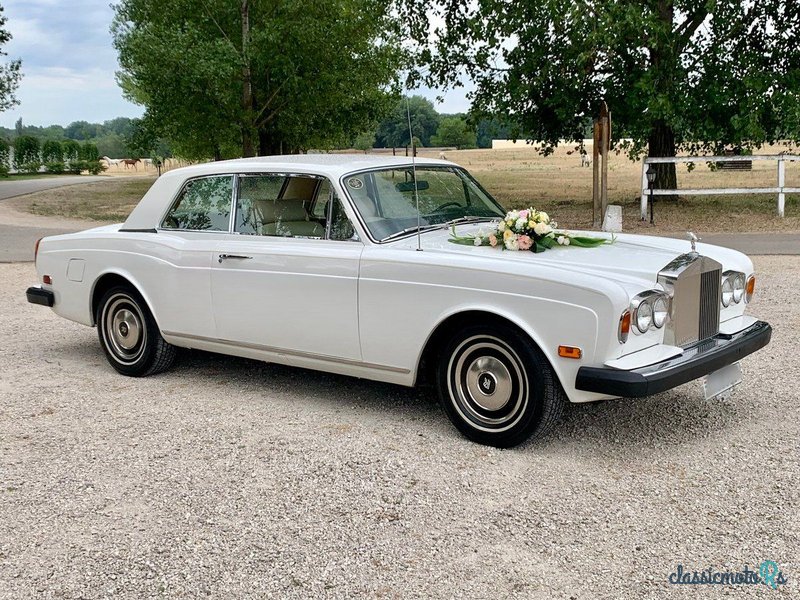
(644, 317)
(727, 291)
(738, 288)
(660, 311)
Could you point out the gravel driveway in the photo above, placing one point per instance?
(232, 478)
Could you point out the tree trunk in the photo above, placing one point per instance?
(661, 142)
(267, 145)
(248, 109)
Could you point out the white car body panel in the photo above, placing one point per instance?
(363, 308)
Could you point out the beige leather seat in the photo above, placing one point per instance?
(287, 218)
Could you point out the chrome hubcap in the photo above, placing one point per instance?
(487, 383)
(124, 329)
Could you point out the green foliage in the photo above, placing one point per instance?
(89, 152)
(55, 167)
(109, 136)
(393, 130)
(71, 150)
(26, 154)
(227, 78)
(52, 152)
(455, 131)
(676, 74)
(10, 73)
(365, 141)
(5, 157)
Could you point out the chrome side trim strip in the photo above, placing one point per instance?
(297, 353)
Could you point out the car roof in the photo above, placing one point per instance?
(332, 165)
(152, 206)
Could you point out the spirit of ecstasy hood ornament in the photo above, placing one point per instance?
(693, 239)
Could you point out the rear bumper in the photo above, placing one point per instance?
(696, 361)
(37, 295)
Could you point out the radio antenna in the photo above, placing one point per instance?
(414, 172)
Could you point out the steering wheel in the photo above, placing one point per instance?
(446, 205)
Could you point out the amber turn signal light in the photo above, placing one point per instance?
(569, 352)
(624, 326)
(750, 288)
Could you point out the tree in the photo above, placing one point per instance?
(454, 131)
(72, 150)
(393, 130)
(221, 77)
(52, 151)
(676, 74)
(53, 156)
(365, 141)
(10, 72)
(26, 154)
(5, 155)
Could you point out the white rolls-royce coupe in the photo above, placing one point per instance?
(345, 263)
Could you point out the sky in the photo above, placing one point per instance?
(68, 65)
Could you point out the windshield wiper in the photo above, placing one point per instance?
(468, 219)
(409, 230)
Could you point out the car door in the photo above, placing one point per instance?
(282, 281)
(178, 274)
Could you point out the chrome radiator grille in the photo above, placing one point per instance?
(694, 282)
(709, 304)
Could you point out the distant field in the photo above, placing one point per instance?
(107, 201)
(560, 186)
(521, 177)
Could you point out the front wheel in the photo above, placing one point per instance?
(497, 387)
(129, 335)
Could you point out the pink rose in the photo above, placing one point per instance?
(493, 240)
(523, 214)
(524, 242)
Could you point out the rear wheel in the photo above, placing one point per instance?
(129, 335)
(496, 387)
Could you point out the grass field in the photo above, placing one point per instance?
(521, 177)
(105, 201)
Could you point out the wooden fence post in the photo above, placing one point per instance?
(601, 133)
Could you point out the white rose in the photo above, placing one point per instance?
(501, 226)
(542, 229)
(560, 239)
(477, 241)
(521, 224)
(543, 217)
(566, 241)
(512, 243)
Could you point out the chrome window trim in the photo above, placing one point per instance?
(419, 165)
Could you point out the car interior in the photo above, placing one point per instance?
(282, 206)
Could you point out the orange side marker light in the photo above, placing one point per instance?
(569, 352)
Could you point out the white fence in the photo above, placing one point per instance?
(780, 190)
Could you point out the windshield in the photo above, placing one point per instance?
(386, 202)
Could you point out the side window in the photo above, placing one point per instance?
(275, 205)
(320, 208)
(254, 194)
(204, 204)
(341, 227)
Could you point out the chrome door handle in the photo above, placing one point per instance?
(240, 256)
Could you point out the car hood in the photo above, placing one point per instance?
(629, 258)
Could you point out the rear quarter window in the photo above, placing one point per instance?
(203, 205)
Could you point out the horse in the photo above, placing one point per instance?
(112, 162)
(130, 162)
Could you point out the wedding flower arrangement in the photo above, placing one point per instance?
(528, 229)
